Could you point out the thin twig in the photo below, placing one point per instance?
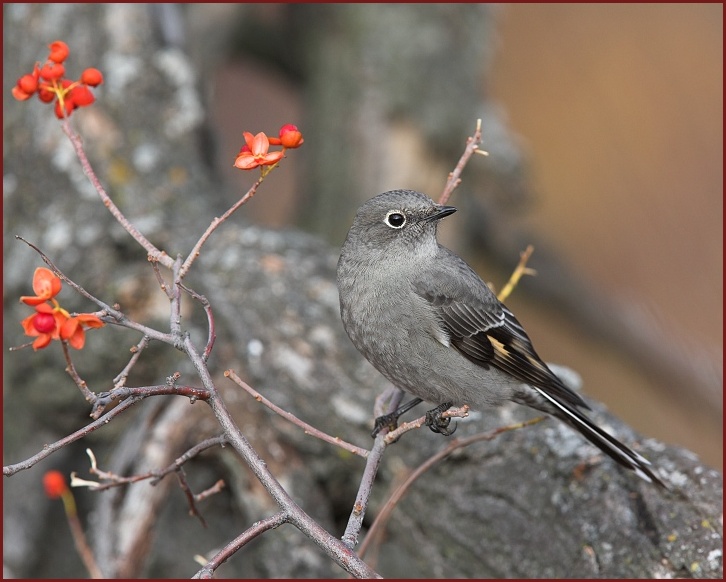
(73, 373)
(160, 278)
(396, 434)
(472, 147)
(384, 438)
(109, 314)
(105, 307)
(256, 529)
(104, 399)
(120, 380)
(308, 428)
(333, 547)
(518, 273)
(355, 521)
(215, 224)
(181, 476)
(48, 450)
(155, 476)
(382, 518)
(385, 403)
(175, 301)
(211, 338)
(213, 490)
(151, 250)
(84, 550)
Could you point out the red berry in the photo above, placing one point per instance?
(92, 77)
(58, 51)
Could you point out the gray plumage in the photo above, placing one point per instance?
(430, 325)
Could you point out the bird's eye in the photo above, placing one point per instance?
(395, 219)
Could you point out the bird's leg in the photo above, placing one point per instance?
(437, 423)
(390, 420)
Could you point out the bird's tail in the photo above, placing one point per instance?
(611, 446)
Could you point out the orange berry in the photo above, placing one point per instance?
(58, 51)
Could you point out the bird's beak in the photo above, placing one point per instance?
(441, 212)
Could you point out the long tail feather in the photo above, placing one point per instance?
(608, 444)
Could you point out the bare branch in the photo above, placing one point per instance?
(333, 547)
(394, 435)
(156, 475)
(82, 547)
(210, 319)
(382, 518)
(181, 476)
(384, 438)
(73, 373)
(257, 528)
(151, 250)
(120, 379)
(215, 224)
(309, 429)
(355, 521)
(48, 450)
(103, 399)
(472, 147)
(518, 273)
(213, 490)
(159, 277)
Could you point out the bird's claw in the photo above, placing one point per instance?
(438, 423)
(389, 421)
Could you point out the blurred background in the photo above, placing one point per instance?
(605, 124)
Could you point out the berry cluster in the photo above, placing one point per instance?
(49, 83)
(256, 152)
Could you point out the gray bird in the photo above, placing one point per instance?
(430, 325)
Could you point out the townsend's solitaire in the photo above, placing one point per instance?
(430, 325)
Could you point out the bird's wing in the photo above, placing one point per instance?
(485, 332)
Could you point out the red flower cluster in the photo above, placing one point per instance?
(49, 83)
(256, 152)
(51, 321)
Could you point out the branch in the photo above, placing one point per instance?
(384, 438)
(156, 475)
(520, 270)
(73, 373)
(396, 434)
(211, 338)
(10, 470)
(379, 523)
(109, 314)
(151, 250)
(472, 147)
(136, 350)
(181, 476)
(213, 490)
(309, 429)
(257, 528)
(355, 521)
(104, 399)
(333, 547)
(82, 547)
(215, 224)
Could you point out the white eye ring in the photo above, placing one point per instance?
(395, 219)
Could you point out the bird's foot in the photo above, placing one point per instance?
(438, 423)
(390, 420)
